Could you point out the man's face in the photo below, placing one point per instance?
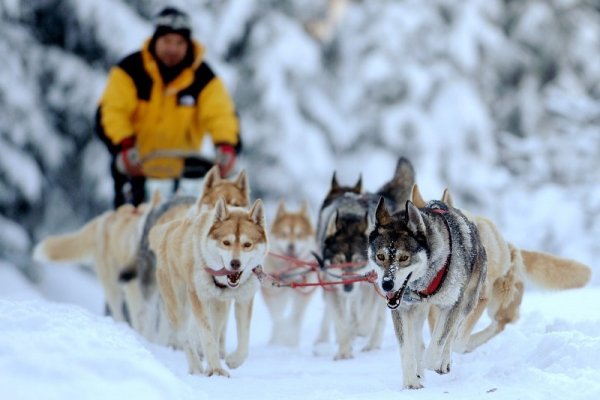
(171, 49)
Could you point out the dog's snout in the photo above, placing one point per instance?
(387, 283)
(235, 264)
(291, 249)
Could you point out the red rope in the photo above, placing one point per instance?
(314, 264)
(296, 263)
(293, 260)
(267, 280)
(369, 277)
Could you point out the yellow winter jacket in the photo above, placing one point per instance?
(176, 117)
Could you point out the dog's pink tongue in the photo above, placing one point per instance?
(220, 272)
(390, 295)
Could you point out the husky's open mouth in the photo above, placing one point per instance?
(395, 298)
(233, 279)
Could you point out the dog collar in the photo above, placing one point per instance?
(439, 278)
(437, 281)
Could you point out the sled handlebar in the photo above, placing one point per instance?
(195, 166)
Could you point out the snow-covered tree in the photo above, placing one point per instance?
(497, 100)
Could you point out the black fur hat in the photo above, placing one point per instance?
(172, 20)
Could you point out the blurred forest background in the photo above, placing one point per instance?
(499, 100)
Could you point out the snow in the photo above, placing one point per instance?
(466, 90)
(56, 343)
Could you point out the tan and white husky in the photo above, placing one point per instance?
(109, 243)
(508, 267)
(292, 238)
(204, 263)
(139, 278)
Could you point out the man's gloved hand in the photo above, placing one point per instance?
(225, 159)
(127, 160)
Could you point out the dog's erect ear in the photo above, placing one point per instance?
(416, 197)
(156, 198)
(446, 198)
(221, 212)
(358, 187)
(404, 170)
(257, 213)
(364, 223)
(382, 215)
(415, 220)
(334, 184)
(332, 225)
(242, 183)
(280, 209)
(304, 210)
(211, 177)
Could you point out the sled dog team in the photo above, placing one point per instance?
(172, 268)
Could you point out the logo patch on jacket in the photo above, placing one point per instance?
(187, 100)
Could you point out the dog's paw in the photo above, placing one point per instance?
(195, 371)
(412, 381)
(370, 347)
(234, 360)
(217, 372)
(443, 369)
(433, 359)
(195, 366)
(417, 385)
(343, 356)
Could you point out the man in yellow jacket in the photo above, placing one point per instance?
(157, 106)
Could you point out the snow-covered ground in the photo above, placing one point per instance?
(55, 343)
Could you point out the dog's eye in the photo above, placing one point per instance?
(381, 257)
(403, 258)
(226, 243)
(247, 245)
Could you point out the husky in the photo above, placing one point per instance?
(346, 216)
(292, 235)
(427, 256)
(204, 263)
(507, 269)
(108, 243)
(139, 277)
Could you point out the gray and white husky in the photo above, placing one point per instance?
(427, 256)
(346, 216)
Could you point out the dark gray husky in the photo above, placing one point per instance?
(345, 218)
(427, 256)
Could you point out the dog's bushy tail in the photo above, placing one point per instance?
(399, 187)
(78, 246)
(552, 272)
